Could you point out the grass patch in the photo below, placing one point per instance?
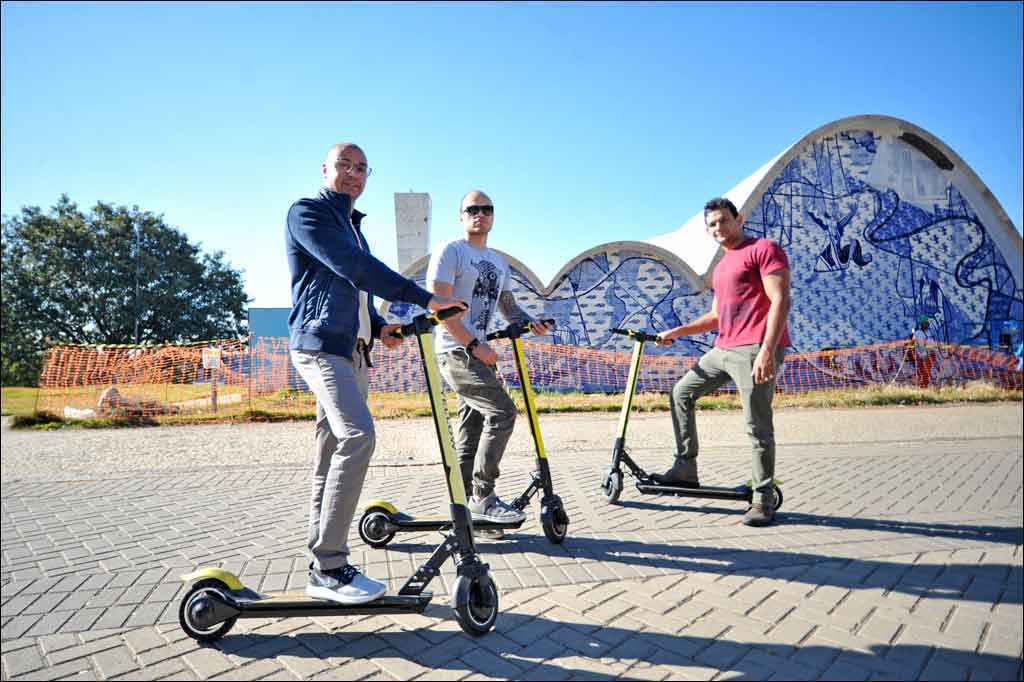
(295, 406)
(18, 400)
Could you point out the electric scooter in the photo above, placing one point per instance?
(381, 520)
(612, 484)
(217, 598)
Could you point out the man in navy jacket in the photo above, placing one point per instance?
(332, 327)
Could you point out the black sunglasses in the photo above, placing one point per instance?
(473, 210)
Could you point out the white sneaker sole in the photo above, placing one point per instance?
(328, 594)
(477, 516)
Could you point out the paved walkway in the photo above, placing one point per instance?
(897, 555)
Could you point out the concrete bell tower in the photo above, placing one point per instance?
(412, 227)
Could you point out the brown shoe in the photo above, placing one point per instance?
(682, 473)
(759, 515)
(663, 479)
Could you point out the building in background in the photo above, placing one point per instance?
(412, 227)
(883, 223)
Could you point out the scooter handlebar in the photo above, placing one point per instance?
(636, 335)
(425, 322)
(518, 329)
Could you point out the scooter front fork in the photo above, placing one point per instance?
(458, 542)
(620, 456)
(536, 483)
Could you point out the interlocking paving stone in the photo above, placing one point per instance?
(909, 579)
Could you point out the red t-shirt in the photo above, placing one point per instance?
(742, 304)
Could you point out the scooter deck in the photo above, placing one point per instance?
(740, 494)
(406, 522)
(253, 605)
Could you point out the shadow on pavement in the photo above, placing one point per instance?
(1010, 535)
(540, 648)
(993, 583)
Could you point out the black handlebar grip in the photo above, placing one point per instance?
(636, 334)
(447, 312)
(425, 322)
(517, 330)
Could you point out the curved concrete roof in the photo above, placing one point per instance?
(643, 248)
(691, 244)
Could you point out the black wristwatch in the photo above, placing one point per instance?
(471, 345)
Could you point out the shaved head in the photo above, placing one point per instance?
(478, 223)
(474, 197)
(345, 170)
(337, 150)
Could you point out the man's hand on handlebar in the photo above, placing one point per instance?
(387, 339)
(665, 338)
(540, 327)
(437, 303)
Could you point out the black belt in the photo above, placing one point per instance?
(364, 348)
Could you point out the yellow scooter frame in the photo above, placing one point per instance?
(381, 520)
(218, 598)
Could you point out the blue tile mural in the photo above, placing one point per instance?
(602, 291)
(867, 262)
(868, 259)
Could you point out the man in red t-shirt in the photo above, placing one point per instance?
(749, 310)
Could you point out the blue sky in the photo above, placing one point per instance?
(585, 122)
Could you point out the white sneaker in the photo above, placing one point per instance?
(344, 585)
(491, 508)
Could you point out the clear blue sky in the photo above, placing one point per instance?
(586, 123)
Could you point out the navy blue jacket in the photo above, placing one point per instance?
(329, 268)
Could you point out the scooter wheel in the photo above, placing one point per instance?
(778, 497)
(554, 521)
(373, 527)
(476, 603)
(612, 486)
(193, 603)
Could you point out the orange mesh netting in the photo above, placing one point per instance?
(88, 381)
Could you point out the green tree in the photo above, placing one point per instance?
(70, 277)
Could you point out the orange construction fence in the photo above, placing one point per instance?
(232, 376)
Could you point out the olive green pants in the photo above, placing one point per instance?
(716, 368)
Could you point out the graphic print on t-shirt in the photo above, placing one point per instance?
(485, 292)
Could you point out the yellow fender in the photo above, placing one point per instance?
(226, 577)
(384, 504)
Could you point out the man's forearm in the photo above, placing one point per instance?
(454, 325)
(705, 323)
(458, 331)
(777, 314)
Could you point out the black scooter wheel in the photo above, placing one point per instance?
(373, 527)
(554, 521)
(778, 497)
(192, 606)
(475, 601)
(612, 486)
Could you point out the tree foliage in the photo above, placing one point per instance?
(70, 277)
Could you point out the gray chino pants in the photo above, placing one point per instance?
(345, 439)
(487, 416)
(715, 369)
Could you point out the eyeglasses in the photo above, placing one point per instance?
(349, 168)
(473, 210)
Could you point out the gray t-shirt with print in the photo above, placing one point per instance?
(478, 277)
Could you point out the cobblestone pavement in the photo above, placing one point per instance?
(897, 555)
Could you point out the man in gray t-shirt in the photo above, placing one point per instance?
(478, 277)
(469, 271)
